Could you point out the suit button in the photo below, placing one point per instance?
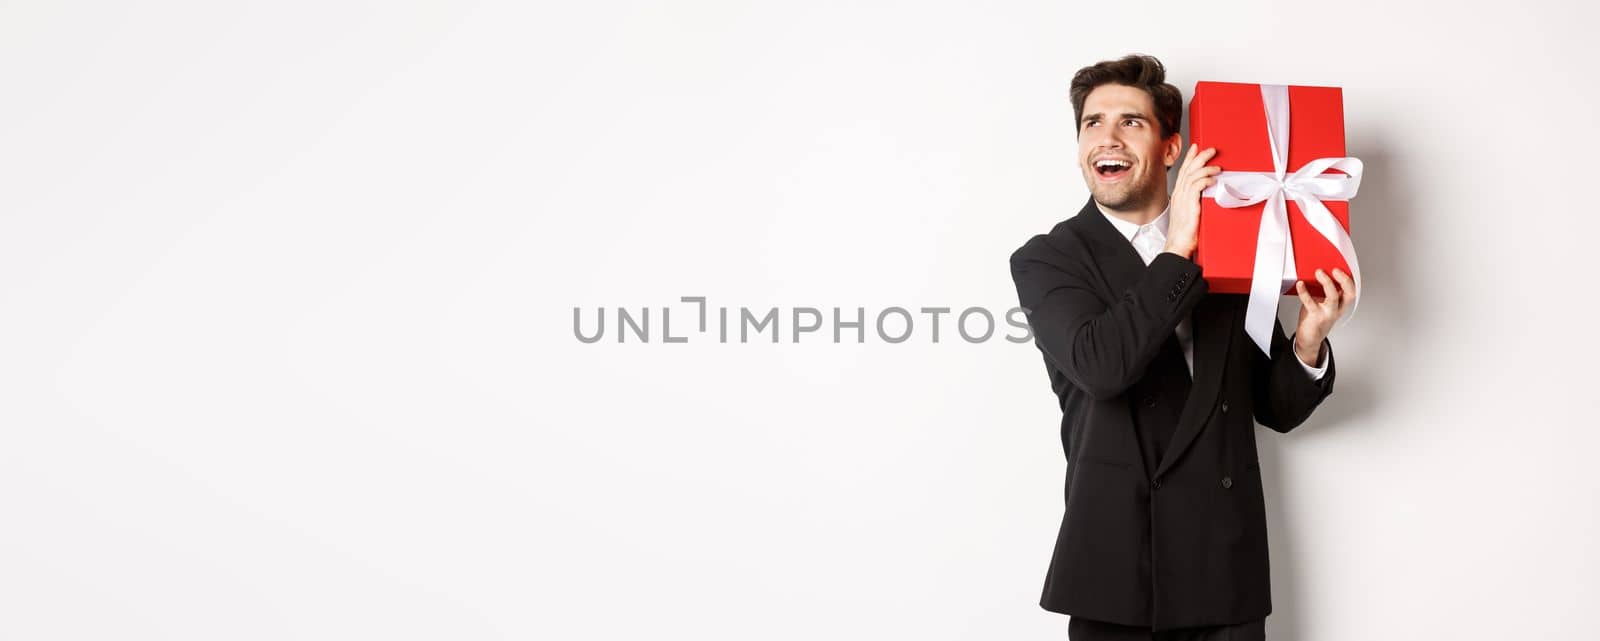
(1149, 401)
(1224, 408)
(1155, 485)
(1227, 482)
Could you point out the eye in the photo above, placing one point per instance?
(1131, 121)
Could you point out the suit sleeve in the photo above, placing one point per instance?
(1102, 349)
(1284, 395)
(1321, 368)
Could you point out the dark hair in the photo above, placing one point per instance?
(1133, 70)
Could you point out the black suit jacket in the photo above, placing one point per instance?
(1176, 540)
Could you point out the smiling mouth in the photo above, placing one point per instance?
(1111, 170)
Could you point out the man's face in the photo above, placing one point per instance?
(1120, 149)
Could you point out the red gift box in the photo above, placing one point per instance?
(1231, 117)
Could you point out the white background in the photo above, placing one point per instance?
(288, 286)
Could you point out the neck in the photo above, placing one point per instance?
(1142, 215)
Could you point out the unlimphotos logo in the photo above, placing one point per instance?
(893, 324)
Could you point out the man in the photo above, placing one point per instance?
(1164, 532)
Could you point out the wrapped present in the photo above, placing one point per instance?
(1279, 209)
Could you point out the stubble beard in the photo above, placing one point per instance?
(1128, 195)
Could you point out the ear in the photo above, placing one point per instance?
(1171, 150)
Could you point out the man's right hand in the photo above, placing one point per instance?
(1183, 224)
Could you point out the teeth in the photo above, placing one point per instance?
(1112, 163)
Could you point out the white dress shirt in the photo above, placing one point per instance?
(1149, 239)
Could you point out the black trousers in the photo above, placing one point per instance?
(1079, 629)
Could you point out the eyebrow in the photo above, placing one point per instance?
(1124, 115)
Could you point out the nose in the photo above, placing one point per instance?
(1112, 139)
(1105, 139)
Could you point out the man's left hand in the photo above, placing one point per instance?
(1317, 317)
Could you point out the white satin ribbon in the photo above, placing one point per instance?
(1274, 262)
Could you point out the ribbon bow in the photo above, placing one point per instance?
(1274, 262)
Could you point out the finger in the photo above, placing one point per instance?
(1183, 167)
(1345, 303)
(1330, 291)
(1198, 166)
(1205, 172)
(1199, 174)
(1348, 285)
(1200, 182)
(1305, 295)
(1196, 160)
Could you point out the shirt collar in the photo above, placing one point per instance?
(1129, 229)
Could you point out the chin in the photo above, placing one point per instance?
(1116, 198)
(1121, 197)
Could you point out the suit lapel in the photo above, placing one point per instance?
(1213, 330)
(1212, 323)
(1123, 266)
